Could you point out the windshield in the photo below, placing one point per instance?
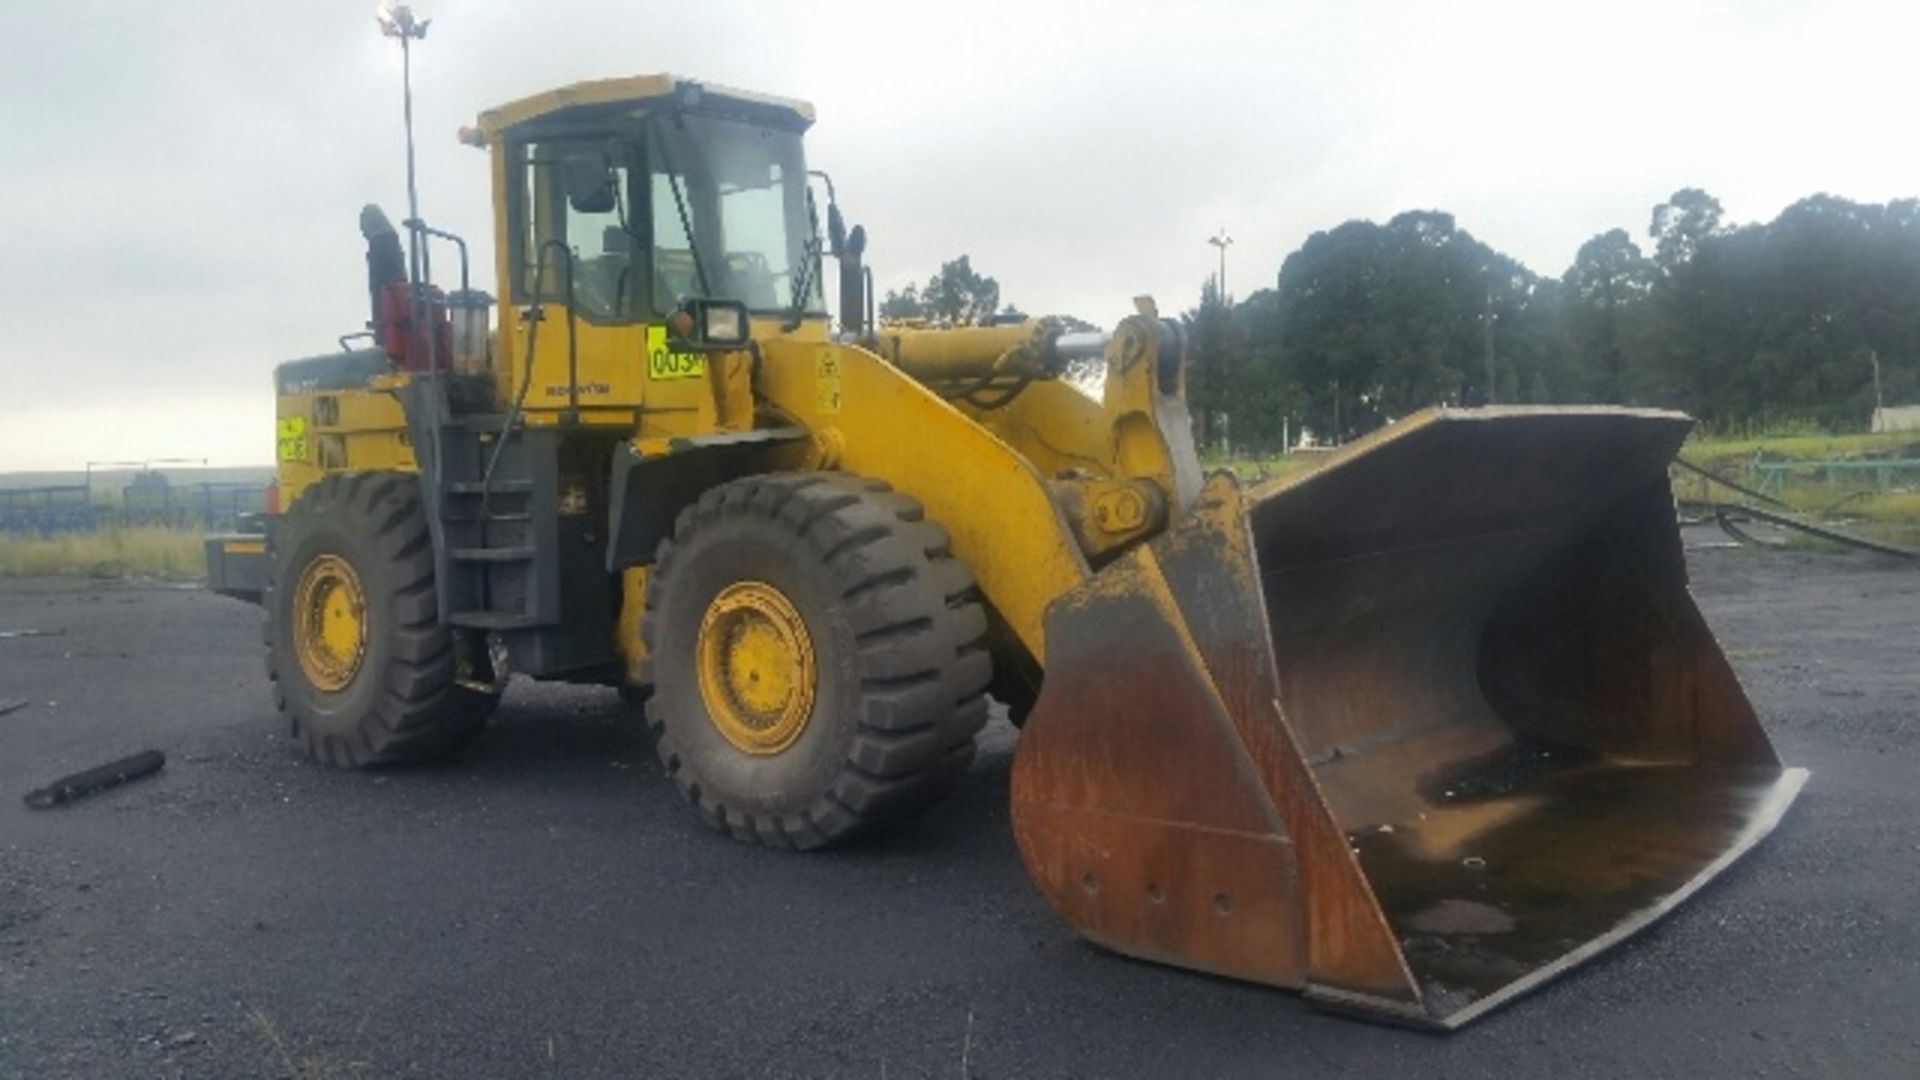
(742, 190)
(730, 193)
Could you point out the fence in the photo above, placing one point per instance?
(56, 508)
(59, 508)
(1878, 474)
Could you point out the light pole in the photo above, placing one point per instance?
(91, 465)
(143, 465)
(1487, 321)
(1222, 241)
(399, 22)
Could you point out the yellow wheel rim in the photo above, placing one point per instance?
(329, 623)
(755, 663)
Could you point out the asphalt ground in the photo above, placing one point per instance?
(545, 905)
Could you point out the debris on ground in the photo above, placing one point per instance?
(97, 779)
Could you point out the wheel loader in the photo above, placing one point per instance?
(1411, 732)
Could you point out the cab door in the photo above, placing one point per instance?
(583, 258)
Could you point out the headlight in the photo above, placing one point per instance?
(710, 325)
(724, 324)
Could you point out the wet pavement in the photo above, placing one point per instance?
(546, 905)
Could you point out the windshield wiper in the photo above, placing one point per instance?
(680, 205)
(809, 265)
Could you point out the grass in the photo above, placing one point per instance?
(1255, 469)
(153, 551)
(1892, 514)
(1890, 506)
(280, 1056)
(149, 551)
(1888, 515)
(1726, 452)
(1710, 450)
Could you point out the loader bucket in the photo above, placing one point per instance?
(1413, 733)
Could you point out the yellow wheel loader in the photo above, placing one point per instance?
(1412, 732)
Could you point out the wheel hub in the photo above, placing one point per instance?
(756, 668)
(329, 623)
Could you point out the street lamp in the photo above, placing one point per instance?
(398, 21)
(1487, 322)
(1221, 240)
(143, 465)
(91, 465)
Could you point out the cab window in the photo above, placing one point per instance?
(603, 245)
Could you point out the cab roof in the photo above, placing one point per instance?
(602, 97)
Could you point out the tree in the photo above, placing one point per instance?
(903, 305)
(1787, 320)
(957, 295)
(1607, 288)
(1210, 365)
(1680, 225)
(1236, 388)
(1375, 321)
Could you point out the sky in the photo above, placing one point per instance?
(182, 179)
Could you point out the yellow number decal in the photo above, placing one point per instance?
(664, 364)
(292, 432)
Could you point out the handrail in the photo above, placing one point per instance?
(538, 310)
(422, 229)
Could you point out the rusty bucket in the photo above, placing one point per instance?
(1412, 733)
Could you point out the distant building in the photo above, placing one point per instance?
(1896, 418)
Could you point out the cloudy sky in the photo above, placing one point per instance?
(181, 179)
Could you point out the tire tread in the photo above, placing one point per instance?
(918, 629)
(420, 711)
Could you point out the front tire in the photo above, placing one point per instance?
(818, 659)
(361, 666)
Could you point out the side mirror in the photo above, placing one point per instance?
(590, 183)
(836, 230)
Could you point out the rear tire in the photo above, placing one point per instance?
(887, 627)
(360, 541)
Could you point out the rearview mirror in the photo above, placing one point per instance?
(590, 183)
(836, 230)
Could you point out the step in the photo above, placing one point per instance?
(490, 554)
(468, 519)
(492, 620)
(501, 486)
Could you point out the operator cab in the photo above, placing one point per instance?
(629, 200)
